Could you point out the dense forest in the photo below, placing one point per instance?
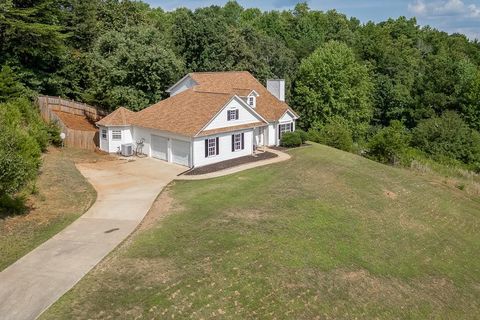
(392, 91)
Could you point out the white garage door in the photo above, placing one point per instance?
(159, 147)
(181, 152)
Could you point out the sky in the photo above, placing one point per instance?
(461, 16)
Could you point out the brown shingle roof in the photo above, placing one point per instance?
(119, 117)
(185, 113)
(268, 106)
(188, 112)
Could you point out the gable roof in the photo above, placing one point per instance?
(120, 117)
(235, 82)
(188, 112)
(185, 113)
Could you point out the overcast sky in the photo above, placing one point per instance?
(461, 16)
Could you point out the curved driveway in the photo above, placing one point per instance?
(125, 193)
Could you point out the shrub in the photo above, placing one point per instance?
(335, 134)
(314, 135)
(11, 205)
(303, 135)
(448, 137)
(53, 131)
(389, 144)
(22, 138)
(291, 139)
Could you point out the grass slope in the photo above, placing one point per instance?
(325, 235)
(63, 195)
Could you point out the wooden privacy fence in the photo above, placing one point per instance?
(76, 120)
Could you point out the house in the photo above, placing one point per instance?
(209, 117)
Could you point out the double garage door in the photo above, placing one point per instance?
(180, 150)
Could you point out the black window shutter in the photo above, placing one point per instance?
(217, 145)
(228, 115)
(243, 140)
(279, 132)
(206, 148)
(236, 114)
(233, 142)
(291, 126)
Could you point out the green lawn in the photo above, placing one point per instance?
(63, 195)
(325, 235)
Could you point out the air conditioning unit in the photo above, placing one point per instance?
(127, 149)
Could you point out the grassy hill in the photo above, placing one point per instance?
(63, 194)
(325, 235)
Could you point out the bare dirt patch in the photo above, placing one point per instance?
(163, 206)
(390, 194)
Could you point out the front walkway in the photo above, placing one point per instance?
(125, 193)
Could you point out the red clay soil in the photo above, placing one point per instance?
(230, 163)
(76, 122)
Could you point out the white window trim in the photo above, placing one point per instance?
(284, 127)
(104, 133)
(212, 147)
(235, 142)
(117, 132)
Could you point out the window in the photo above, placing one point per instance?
(282, 128)
(211, 147)
(251, 101)
(116, 134)
(232, 114)
(237, 141)
(104, 134)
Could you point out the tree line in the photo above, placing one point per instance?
(391, 90)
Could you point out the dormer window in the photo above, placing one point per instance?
(251, 101)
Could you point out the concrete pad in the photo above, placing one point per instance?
(125, 193)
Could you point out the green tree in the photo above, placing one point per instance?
(389, 144)
(20, 137)
(391, 49)
(467, 92)
(448, 137)
(10, 88)
(84, 23)
(132, 68)
(32, 38)
(332, 83)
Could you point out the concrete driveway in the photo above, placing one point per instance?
(125, 193)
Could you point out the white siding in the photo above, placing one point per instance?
(245, 116)
(225, 150)
(113, 146)
(146, 134)
(287, 117)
